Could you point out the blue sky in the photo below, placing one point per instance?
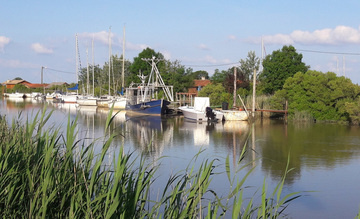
(203, 35)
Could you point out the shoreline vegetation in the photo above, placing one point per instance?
(48, 174)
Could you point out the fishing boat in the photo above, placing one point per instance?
(142, 98)
(201, 111)
(235, 115)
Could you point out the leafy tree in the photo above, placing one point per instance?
(216, 93)
(218, 76)
(247, 66)
(140, 66)
(175, 74)
(18, 78)
(323, 95)
(199, 75)
(279, 66)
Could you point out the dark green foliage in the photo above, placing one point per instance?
(216, 93)
(140, 66)
(279, 66)
(324, 95)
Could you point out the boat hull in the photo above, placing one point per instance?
(154, 107)
(200, 116)
(235, 115)
(119, 103)
(87, 102)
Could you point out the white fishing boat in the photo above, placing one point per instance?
(235, 115)
(201, 111)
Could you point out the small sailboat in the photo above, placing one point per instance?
(120, 101)
(88, 100)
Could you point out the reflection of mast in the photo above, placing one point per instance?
(234, 149)
(253, 143)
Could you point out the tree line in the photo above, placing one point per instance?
(284, 77)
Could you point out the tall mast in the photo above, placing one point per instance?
(109, 57)
(76, 61)
(123, 64)
(87, 72)
(93, 67)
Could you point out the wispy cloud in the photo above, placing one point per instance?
(3, 42)
(337, 36)
(203, 47)
(41, 49)
(102, 37)
(232, 37)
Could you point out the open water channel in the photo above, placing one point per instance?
(325, 157)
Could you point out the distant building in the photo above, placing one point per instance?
(10, 84)
(198, 85)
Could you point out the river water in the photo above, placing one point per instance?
(325, 158)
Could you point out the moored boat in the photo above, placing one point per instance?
(235, 115)
(201, 111)
(142, 98)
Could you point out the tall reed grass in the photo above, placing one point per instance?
(42, 176)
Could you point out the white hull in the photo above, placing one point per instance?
(16, 95)
(119, 103)
(69, 98)
(87, 102)
(196, 115)
(235, 115)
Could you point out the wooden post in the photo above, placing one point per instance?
(234, 104)
(254, 91)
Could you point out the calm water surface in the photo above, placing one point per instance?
(325, 157)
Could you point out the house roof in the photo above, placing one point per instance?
(36, 85)
(10, 82)
(201, 83)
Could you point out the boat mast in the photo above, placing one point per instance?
(77, 62)
(93, 67)
(123, 65)
(87, 72)
(109, 57)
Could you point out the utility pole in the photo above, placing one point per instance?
(42, 77)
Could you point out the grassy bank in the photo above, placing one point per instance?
(48, 174)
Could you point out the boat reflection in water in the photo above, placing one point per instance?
(151, 134)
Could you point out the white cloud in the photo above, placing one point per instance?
(203, 47)
(337, 36)
(232, 37)
(101, 36)
(3, 42)
(167, 55)
(41, 49)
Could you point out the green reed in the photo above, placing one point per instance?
(48, 174)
